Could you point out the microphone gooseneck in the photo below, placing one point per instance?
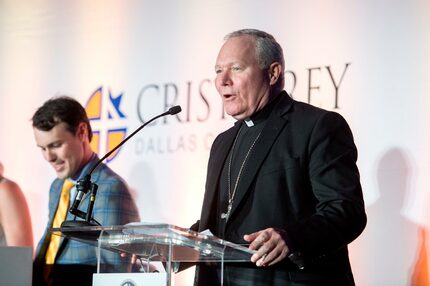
(172, 111)
(85, 185)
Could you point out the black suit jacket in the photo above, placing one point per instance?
(301, 177)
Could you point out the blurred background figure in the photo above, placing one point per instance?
(15, 222)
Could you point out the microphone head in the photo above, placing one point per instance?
(175, 109)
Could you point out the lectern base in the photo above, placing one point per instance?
(137, 279)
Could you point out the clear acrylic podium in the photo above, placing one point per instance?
(157, 242)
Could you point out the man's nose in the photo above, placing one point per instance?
(50, 156)
(225, 78)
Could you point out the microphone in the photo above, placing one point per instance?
(174, 110)
(84, 185)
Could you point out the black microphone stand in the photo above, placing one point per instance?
(85, 185)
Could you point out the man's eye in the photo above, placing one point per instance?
(235, 68)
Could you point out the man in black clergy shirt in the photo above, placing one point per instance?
(283, 179)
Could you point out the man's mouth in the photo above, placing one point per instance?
(58, 166)
(228, 96)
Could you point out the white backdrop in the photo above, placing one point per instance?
(368, 60)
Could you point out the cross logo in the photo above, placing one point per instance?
(107, 121)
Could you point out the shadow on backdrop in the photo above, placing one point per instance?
(391, 250)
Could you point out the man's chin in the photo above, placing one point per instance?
(62, 175)
(238, 116)
(235, 114)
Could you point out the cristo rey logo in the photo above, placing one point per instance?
(107, 122)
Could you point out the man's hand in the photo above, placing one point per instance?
(270, 245)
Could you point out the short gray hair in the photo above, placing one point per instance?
(267, 50)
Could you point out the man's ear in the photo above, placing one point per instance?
(82, 131)
(275, 71)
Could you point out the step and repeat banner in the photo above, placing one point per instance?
(127, 61)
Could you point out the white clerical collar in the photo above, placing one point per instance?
(249, 122)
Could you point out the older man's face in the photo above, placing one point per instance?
(243, 86)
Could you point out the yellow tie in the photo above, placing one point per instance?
(60, 216)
